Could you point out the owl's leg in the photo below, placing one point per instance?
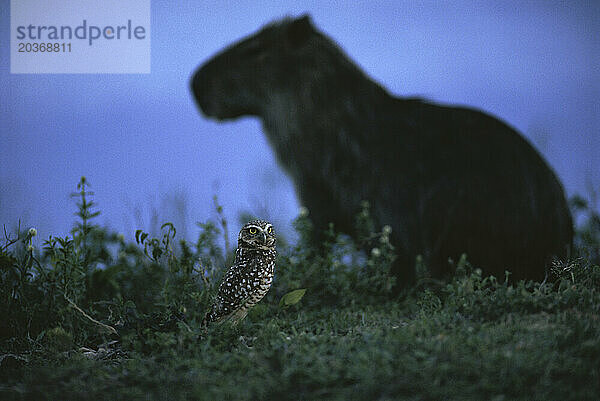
(238, 316)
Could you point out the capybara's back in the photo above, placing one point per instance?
(448, 180)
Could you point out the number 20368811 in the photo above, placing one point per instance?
(25, 47)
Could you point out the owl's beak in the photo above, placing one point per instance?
(264, 237)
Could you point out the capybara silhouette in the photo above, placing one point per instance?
(448, 180)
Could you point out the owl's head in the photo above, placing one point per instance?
(257, 234)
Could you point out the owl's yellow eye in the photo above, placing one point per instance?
(252, 230)
(270, 230)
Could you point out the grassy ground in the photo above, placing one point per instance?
(95, 317)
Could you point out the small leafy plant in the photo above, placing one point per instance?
(92, 315)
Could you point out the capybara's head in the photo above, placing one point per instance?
(248, 76)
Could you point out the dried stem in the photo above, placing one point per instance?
(105, 326)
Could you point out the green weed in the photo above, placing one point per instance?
(93, 316)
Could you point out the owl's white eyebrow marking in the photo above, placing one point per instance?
(253, 226)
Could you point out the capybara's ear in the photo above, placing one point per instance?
(299, 30)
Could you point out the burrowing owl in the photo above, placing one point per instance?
(250, 277)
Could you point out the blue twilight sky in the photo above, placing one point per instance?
(143, 145)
